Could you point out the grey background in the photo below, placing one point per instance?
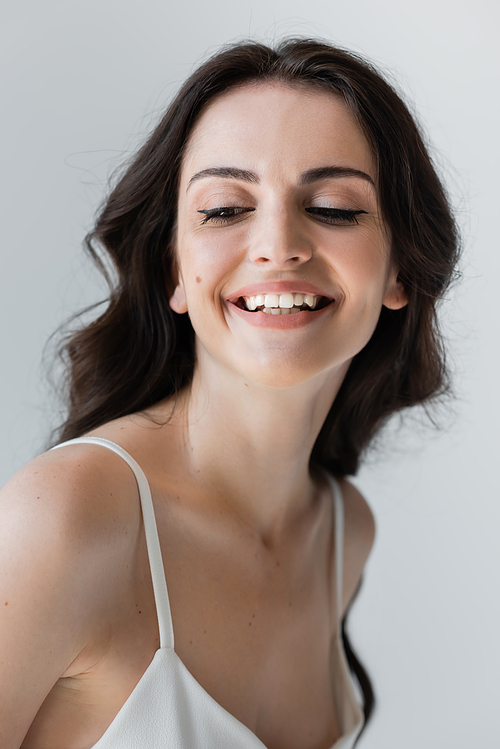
(82, 84)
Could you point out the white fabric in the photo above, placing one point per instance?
(168, 708)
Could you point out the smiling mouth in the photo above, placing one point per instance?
(283, 304)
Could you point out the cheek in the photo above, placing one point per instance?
(207, 261)
(203, 279)
(361, 262)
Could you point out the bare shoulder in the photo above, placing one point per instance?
(359, 536)
(62, 517)
(359, 520)
(66, 514)
(74, 486)
(65, 522)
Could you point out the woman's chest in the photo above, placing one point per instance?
(281, 690)
(258, 644)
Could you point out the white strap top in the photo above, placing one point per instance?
(169, 709)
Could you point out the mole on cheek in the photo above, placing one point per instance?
(198, 279)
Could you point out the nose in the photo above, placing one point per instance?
(278, 241)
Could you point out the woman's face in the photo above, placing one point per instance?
(278, 206)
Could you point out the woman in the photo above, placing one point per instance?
(279, 245)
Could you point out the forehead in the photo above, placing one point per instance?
(276, 128)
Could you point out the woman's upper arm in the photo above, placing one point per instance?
(53, 548)
(359, 535)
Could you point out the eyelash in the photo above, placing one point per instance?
(334, 216)
(215, 214)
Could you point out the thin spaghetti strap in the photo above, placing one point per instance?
(152, 540)
(338, 503)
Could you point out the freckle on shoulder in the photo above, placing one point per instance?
(75, 483)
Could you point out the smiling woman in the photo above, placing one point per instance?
(289, 206)
(280, 244)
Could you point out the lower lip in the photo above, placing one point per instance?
(292, 320)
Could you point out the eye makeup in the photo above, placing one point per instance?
(327, 215)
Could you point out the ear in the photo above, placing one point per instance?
(395, 294)
(178, 300)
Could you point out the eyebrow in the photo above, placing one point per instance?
(306, 178)
(226, 172)
(332, 172)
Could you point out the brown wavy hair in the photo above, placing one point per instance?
(138, 352)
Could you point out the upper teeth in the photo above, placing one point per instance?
(282, 301)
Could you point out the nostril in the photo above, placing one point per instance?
(280, 258)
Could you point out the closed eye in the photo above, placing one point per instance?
(223, 214)
(336, 216)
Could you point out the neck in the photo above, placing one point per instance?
(250, 444)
